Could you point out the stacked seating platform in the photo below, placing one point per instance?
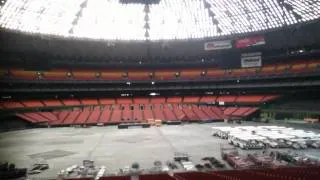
(126, 115)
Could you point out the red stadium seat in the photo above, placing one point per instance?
(176, 99)
(52, 103)
(250, 98)
(191, 99)
(71, 102)
(14, 104)
(116, 116)
(107, 101)
(148, 114)
(157, 100)
(105, 116)
(170, 116)
(94, 116)
(83, 116)
(138, 100)
(230, 110)
(89, 101)
(226, 98)
(71, 118)
(32, 103)
(124, 100)
(208, 99)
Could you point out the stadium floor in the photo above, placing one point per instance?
(112, 147)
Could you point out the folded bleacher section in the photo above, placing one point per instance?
(241, 99)
(115, 114)
(105, 111)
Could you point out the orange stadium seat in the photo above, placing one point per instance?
(250, 111)
(282, 68)
(112, 75)
(165, 74)
(240, 111)
(104, 101)
(155, 100)
(212, 114)
(71, 118)
(251, 71)
(55, 74)
(189, 113)
(230, 110)
(190, 74)
(176, 99)
(169, 115)
(191, 99)
(83, 116)
(138, 115)
(84, 75)
(268, 70)
(52, 102)
(105, 116)
(49, 115)
(139, 75)
(215, 73)
(32, 103)
(299, 67)
(71, 102)
(208, 99)
(249, 98)
(89, 101)
(313, 65)
(14, 104)
(239, 72)
(23, 74)
(140, 100)
(124, 100)
(269, 98)
(116, 116)
(148, 114)
(201, 114)
(94, 116)
(226, 98)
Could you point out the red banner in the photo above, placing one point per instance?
(250, 41)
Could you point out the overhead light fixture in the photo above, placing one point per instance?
(154, 94)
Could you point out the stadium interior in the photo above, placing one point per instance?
(160, 89)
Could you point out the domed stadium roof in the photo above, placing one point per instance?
(153, 20)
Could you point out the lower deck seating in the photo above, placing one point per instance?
(240, 99)
(137, 113)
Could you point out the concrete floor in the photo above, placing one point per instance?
(109, 146)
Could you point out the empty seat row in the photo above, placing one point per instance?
(108, 115)
(140, 100)
(186, 74)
